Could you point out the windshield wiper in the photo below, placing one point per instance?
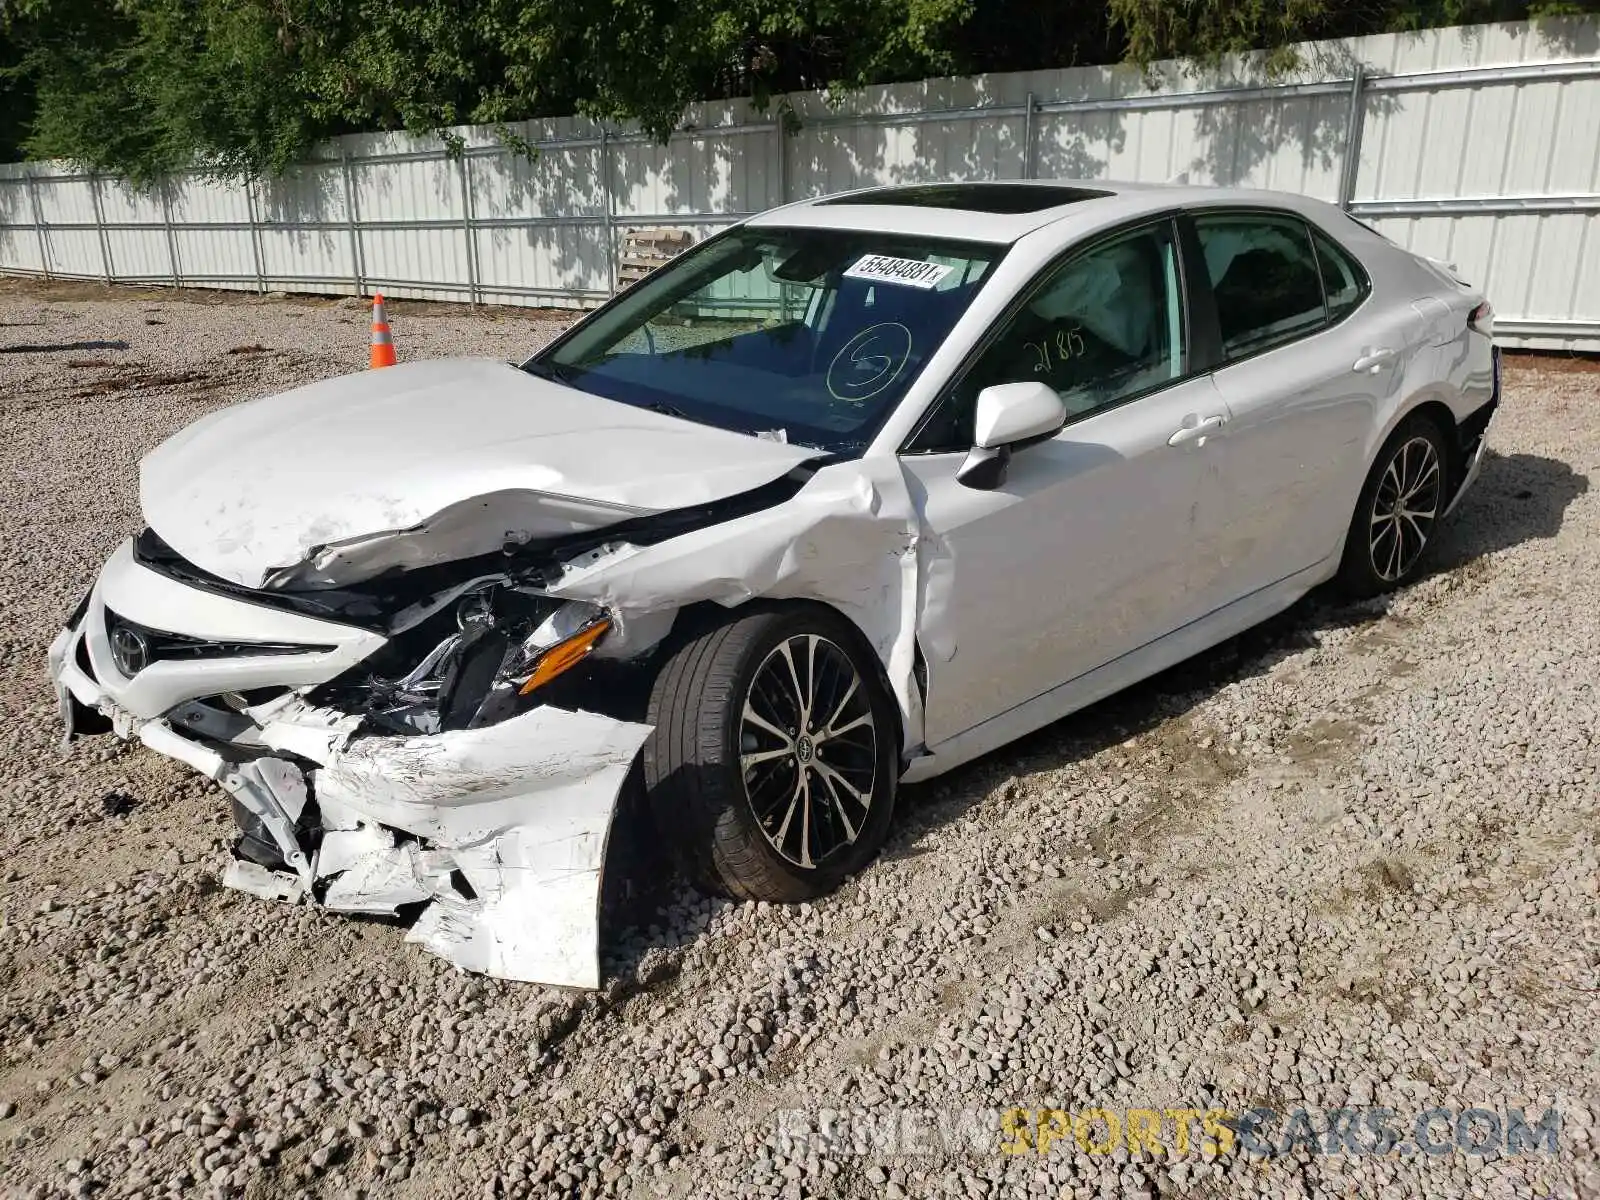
(667, 410)
(546, 370)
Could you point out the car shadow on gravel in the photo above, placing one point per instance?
(1517, 498)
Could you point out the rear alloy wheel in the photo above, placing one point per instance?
(1404, 509)
(771, 769)
(1403, 499)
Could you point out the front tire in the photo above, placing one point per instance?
(1400, 506)
(771, 767)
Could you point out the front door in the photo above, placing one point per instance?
(1092, 545)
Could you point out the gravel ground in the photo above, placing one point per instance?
(1350, 857)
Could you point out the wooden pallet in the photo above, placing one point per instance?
(643, 250)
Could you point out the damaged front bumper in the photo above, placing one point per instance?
(499, 832)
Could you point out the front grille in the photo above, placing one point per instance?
(158, 645)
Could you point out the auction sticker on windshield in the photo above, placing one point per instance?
(908, 271)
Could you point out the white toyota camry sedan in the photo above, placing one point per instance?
(854, 492)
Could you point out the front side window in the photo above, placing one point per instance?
(1102, 327)
(1265, 277)
(805, 335)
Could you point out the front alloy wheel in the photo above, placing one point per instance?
(771, 769)
(808, 750)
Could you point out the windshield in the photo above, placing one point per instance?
(803, 335)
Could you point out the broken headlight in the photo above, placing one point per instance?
(472, 664)
(503, 652)
(561, 642)
(134, 646)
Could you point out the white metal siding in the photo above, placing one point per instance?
(1479, 146)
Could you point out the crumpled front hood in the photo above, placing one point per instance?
(469, 453)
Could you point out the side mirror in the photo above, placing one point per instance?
(1009, 417)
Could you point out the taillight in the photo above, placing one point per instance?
(1482, 319)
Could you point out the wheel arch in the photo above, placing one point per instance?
(696, 618)
(1432, 407)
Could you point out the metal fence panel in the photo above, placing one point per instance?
(289, 253)
(216, 257)
(75, 253)
(198, 200)
(22, 241)
(1479, 145)
(542, 263)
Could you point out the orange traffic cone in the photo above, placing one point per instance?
(382, 339)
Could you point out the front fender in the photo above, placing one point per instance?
(848, 539)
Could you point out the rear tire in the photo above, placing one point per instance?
(771, 769)
(1398, 513)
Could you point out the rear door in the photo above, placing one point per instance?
(1306, 362)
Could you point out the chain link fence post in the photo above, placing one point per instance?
(1354, 121)
(100, 226)
(174, 265)
(1028, 169)
(611, 216)
(783, 159)
(352, 220)
(258, 258)
(467, 232)
(38, 224)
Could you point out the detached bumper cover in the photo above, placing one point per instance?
(1474, 437)
(501, 832)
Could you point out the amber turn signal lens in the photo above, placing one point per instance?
(565, 655)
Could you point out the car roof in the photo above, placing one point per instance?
(1004, 211)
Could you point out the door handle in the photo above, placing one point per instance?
(1373, 359)
(1197, 431)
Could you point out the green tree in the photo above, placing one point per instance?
(141, 88)
(1204, 30)
(246, 87)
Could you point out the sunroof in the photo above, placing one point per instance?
(999, 198)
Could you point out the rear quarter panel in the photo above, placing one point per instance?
(1444, 362)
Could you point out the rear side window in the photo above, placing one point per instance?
(1344, 283)
(1266, 280)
